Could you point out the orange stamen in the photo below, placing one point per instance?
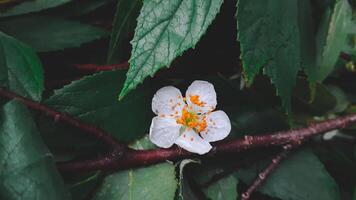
(195, 100)
(192, 120)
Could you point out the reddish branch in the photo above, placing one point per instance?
(138, 158)
(123, 157)
(262, 177)
(64, 118)
(99, 68)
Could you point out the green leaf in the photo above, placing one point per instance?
(301, 177)
(165, 29)
(20, 69)
(355, 193)
(45, 33)
(331, 38)
(80, 190)
(155, 182)
(93, 100)
(32, 6)
(125, 17)
(270, 39)
(27, 167)
(222, 189)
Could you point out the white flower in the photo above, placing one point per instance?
(188, 121)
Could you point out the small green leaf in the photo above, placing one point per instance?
(156, 182)
(301, 177)
(93, 100)
(331, 38)
(20, 69)
(27, 167)
(165, 29)
(269, 35)
(50, 33)
(125, 17)
(31, 6)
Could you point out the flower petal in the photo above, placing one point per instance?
(218, 126)
(168, 102)
(201, 96)
(164, 131)
(191, 141)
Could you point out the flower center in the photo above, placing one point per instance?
(192, 120)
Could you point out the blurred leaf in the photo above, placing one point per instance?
(165, 29)
(77, 8)
(9, 2)
(342, 101)
(82, 189)
(156, 182)
(125, 16)
(31, 6)
(184, 190)
(27, 167)
(20, 68)
(244, 120)
(224, 188)
(331, 38)
(317, 98)
(49, 33)
(93, 100)
(270, 38)
(301, 177)
(350, 45)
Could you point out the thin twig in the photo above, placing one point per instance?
(98, 68)
(67, 119)
(262, 177)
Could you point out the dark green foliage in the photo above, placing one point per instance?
(291, 56)
(301, 177)
(117, 117)
(20, 68)
(44, 33)
(27, 167)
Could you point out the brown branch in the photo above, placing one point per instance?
(99, 68)
(262, 177)
(67, 119)
(130, 158)
(138, 158)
